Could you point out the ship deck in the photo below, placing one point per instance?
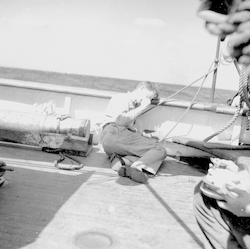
(45, 207)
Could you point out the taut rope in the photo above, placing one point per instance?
(243, 92)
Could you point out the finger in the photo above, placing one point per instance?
(224, 162)
(223, 204)
(239, 17)
(212, 16)
(214, 29)
(235, 189)
(243, 27)
(211, 171)
(244, 59)
(229, 197)
(239, 39)
(211, 165)
(246, 50)
(244, 6)
(215, 161)
(226, 28)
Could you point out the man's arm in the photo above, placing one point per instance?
(129, 117)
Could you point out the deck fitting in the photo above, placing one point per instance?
(94, 240)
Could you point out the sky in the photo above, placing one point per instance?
(158, 40)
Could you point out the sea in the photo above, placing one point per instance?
(113, 84)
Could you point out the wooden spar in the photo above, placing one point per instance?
(34, 122)
(56, 89)
(46, 131)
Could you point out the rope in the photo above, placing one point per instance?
(192, 102)
(236, 114)
(66, 167)
(243, 87)
(185, 87)
(225, 146)
(243, 92)
(63, 154)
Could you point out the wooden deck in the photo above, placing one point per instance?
(43, 207)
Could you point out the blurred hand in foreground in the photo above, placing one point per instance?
(237, 25)
(240, 205)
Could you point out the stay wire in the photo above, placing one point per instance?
(193, 100)
(184, 88)
(243, 92)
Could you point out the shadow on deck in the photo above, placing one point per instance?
(43, 207)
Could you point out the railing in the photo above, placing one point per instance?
(78, 91)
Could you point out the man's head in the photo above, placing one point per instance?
(146, 89)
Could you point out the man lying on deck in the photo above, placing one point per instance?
(225, 223)
(132, 153)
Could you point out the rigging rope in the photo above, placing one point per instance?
(185, 87)
(192, 102)
(243, 92)
(182, 89)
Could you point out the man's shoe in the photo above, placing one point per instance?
(133, 173)
(116, 162)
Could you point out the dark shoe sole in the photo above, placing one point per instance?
(133, 173)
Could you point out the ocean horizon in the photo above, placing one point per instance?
(112, 84)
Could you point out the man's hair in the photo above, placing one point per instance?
(150, 87)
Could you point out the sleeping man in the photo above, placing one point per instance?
(133, 154)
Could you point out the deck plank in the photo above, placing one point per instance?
(43, 207)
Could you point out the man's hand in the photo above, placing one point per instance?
(237, 25)
(224, 164)
(150, 134)
(145, 103)
(220, 29)
(240, 39)
(240, 205)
